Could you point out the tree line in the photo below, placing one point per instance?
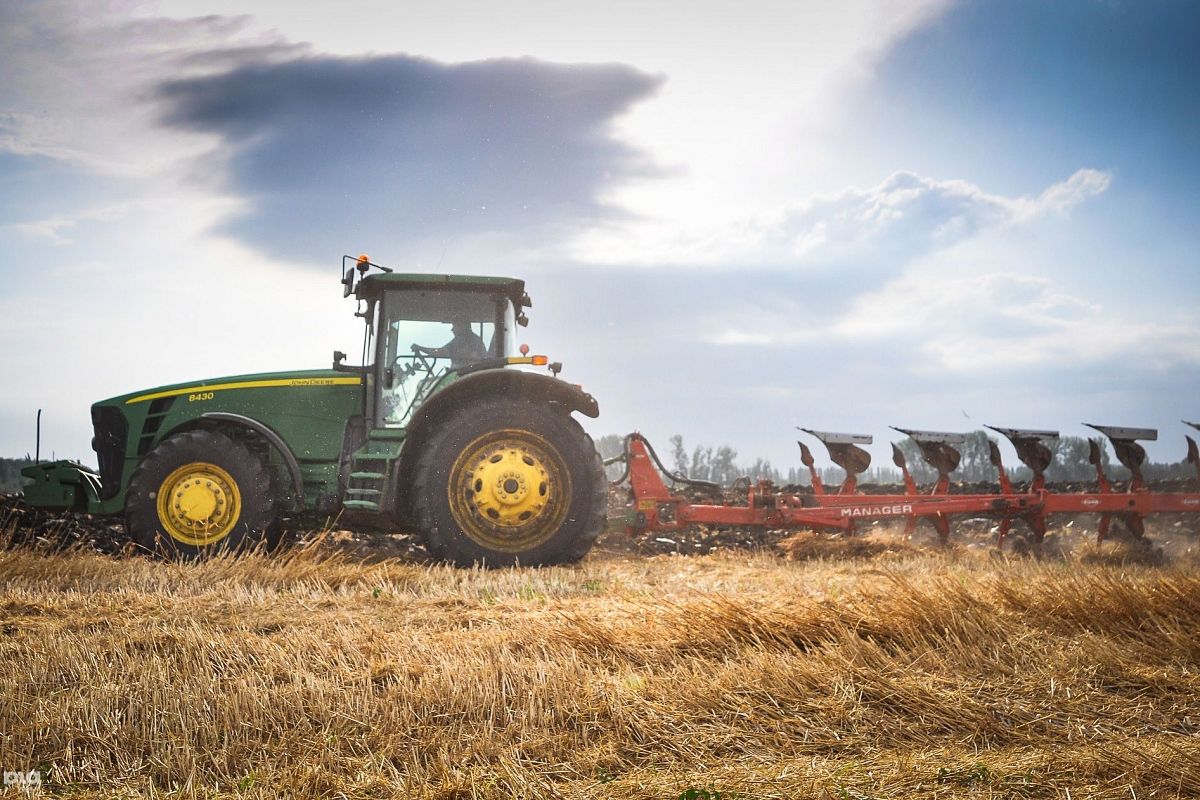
(10, 473)
(720, 464)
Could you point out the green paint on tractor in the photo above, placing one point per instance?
(443, 429)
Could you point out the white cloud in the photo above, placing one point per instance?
(57, 229)
(1062, 197)
(908, 215)
(737, 336)
(976, 323)
(960, 313)
(877, 228)
(922, 298)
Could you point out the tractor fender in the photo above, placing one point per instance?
(276, 441)
(511, 383)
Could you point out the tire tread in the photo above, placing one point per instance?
(425, 494)
(258, 492)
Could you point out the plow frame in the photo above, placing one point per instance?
(656, 508)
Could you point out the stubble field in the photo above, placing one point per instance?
(878, 667)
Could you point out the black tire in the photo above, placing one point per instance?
(451, 517)
(171, 466)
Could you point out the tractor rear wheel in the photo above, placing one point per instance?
(509, 481)
(199, 492)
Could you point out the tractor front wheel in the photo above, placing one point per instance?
(509, 481)
(198, 492)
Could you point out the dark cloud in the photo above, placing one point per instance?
(333, 152)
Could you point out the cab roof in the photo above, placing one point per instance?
(513, 288)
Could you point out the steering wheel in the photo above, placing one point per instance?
(418, 354)
(418, 362)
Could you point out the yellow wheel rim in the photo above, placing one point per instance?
(509, 490)
(198, 504)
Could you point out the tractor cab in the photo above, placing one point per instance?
(423, 332)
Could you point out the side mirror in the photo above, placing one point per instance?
(348, 282)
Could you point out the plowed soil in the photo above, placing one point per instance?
(366, 537)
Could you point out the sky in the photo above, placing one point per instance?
(734, 219)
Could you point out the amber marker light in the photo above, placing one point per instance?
(537, 361)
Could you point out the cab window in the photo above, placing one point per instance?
(425, 335)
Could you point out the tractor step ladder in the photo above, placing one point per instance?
(370, 467)
(361, 505)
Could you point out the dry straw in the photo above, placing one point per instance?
(895, 673)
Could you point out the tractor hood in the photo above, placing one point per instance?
(212, 388)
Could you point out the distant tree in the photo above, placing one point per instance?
(1179, 470)
(10, 473)
(724, 466)
(921, 472)
(701, 467)
(832, 476)
(762, 470)
(976, 463)
(609, 446)
(679, 458)
(1071, 459)
(881, 474)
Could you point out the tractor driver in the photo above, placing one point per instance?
(465, 348)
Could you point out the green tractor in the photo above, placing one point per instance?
(436, 432)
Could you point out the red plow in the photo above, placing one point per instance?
(656, 507)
